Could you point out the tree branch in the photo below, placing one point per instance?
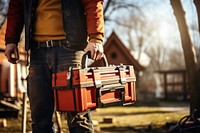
(117, 6)
(106, 7)
(119, 23)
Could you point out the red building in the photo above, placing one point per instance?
(117, 53)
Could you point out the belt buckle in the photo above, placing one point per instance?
(49, 43)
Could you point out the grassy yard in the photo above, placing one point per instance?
(138, 119)
(142, 118)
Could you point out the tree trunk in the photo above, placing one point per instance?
(197, 4)
(190, 58)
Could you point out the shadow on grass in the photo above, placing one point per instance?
(135, 113)
(161, 103)
(135, 129)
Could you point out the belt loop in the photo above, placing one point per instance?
(49, 43)
(52, 43)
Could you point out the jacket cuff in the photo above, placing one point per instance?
(11, 40)
(96, 37)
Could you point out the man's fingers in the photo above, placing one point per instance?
(10, 59)
(16, 54)
(12, 53)
(96, 50)
(99, 51)
(99, 55)
(93, 54)
(8, 54)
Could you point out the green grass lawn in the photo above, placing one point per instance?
(138, 118)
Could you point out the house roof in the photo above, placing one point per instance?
(113, 46)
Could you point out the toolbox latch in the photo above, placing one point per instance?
(97, 78)
(122, 75)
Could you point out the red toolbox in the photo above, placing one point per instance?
(94, 87)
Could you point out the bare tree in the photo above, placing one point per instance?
(190, 57)
(3, 6)
(176, 59)
(3, 11)
(111, 6)
(133, 23)
(197, 4)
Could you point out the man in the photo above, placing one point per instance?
(56, 32)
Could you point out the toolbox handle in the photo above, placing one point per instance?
(85, 57)
(111, 88)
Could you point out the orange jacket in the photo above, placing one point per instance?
(94, 13)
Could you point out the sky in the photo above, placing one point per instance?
(160, 13)
(168, 21)
(3, 6)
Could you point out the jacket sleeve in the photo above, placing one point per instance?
(95, 18)
(15, 21)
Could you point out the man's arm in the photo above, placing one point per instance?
(95, 27)
(15, 22)
(95, 18)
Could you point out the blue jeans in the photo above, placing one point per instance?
(44, 62)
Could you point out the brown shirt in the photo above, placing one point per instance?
(48, 23)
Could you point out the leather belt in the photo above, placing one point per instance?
(50, 43)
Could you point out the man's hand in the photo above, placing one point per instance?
(96, 50)
(12, 53)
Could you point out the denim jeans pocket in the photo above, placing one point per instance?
(34, 49)
(69, 48)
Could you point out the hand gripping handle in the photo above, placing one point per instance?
(84, 61)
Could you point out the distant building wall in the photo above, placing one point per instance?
(4, 76)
